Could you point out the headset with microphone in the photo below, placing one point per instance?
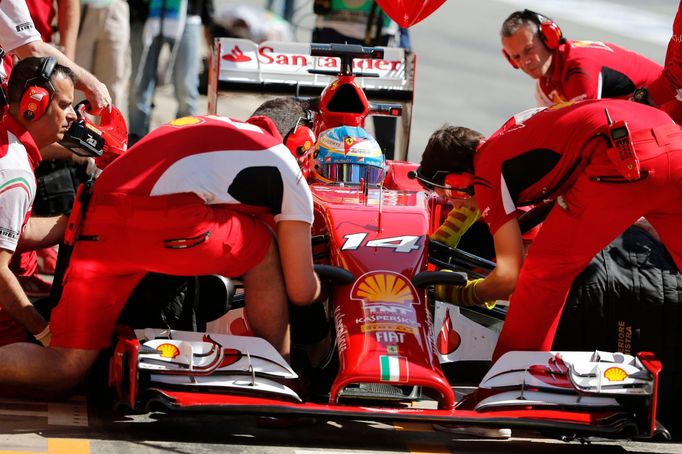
(549, 32)
(455, 185)
(38, 91)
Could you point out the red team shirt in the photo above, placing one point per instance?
(510, 173)
(594, 70)
(194, 197)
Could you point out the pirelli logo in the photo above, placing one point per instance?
(24, 26)
(7, 233)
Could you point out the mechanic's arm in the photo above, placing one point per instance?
(68, 21)
(296, 255)
(94, 90)
(665, 87)
(509, 253)
(582, 82)
(14, 300)
(42, 232)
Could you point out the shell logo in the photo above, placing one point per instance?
(384, 286)
(615, 374)
(186, 121)
(168, 350)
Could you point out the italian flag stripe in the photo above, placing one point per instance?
(393, 368)
(21, 183)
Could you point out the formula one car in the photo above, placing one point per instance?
(389, 341)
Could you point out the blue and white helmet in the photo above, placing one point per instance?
(347, 154)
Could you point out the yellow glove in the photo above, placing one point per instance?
(462, 295)
(457, 223)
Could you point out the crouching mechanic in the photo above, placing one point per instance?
(564, 153)
(40, 94)
(195, 197)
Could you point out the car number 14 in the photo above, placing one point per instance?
(406, 243)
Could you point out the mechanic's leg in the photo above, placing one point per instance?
(582, 223)
(30, 367)
(267, 307)
(186, 70)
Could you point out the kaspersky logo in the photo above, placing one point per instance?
(236, 55)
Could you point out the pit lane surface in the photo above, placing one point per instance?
(73, 428)
(461, 79)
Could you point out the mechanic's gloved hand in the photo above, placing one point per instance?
(462, 295)
(457, 223)
(91, 168)
(45, 336)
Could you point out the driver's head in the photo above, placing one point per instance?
(450, 149)
(347, 155)
(40, 94)
(528, 42)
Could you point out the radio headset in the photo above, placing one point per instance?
(456, 185)
(38, 92)
(549, 32)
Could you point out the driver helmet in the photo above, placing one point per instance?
(347, 154)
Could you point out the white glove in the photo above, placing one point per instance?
(92, 169)
(45, 336)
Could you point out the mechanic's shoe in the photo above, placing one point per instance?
(47, 260)
(34, 286)
(474, 431)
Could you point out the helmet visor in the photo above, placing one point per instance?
(351, 173)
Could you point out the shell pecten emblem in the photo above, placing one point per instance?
(168, 350)
(384, 286)
(615, 374)
(185, 121)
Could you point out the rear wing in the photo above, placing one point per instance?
(241, 69)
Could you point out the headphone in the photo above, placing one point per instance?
(300, 139)
(456, 185)
(549, 32)
(38, 91)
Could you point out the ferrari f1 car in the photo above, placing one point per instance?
(386, 341)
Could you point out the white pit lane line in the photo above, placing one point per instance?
(634, 23)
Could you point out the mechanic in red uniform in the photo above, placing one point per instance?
(561, 153)
(666, 90)
(197, 196)
(21, 136)
(571, 70)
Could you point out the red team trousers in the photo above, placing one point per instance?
(123, 237)
(585, 219)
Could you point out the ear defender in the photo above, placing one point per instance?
(38, 92)
(300, 140)
(550, 33)
(459, 185)
(34, 103)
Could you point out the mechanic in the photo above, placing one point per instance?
(562, 153)
(197, 196)
(29, 125)
(571, 70)
(19, 36)
(666, 90)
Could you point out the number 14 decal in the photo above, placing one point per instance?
(407, 243)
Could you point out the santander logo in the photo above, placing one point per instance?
(236, 55)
